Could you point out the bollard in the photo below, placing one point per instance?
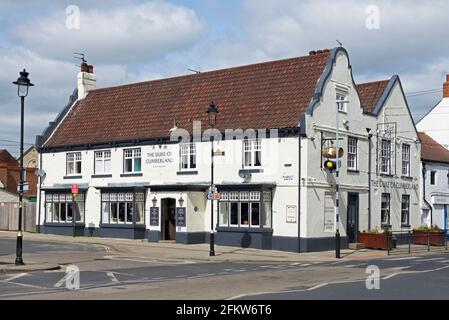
(409, 242)
(428, 241)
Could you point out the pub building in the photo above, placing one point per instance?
(138, 179)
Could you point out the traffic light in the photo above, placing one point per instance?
(330, 165)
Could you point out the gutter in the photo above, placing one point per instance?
(424, 171)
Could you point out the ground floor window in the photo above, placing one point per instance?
(122, 207)
(245, 209)
(405, 210)
(385, 209)
(60, 208)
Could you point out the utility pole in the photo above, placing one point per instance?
(337, 184)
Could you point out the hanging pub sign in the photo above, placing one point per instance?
(154, 216)
(180, 217)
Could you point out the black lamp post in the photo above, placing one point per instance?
(23, 84)
(212, 113)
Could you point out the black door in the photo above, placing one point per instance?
(168, 219)
(353, 217)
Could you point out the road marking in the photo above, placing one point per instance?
(389, 276)
(305, 265)
(17, 276)
(402, 268)
(295, 263)
(404, 258)
(445, 261)
(60, 282)
(432, 259)
(112, 276)
(318, 286)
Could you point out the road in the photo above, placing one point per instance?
(110, 275)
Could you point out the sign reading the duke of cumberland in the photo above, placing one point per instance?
(154, 216)
(160, 159)
(394, 185)
(180, 217)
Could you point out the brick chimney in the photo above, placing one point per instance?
(86, 80)
(446, 88)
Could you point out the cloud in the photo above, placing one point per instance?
(125, 34)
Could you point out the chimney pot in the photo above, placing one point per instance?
(84, 67)
(312, 53)
(319, 52)
(90, 68)
(446, 87)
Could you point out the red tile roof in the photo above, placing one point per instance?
(432, 150)
(370, 94)
(259, 96)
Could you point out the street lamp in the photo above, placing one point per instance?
(212, 114)
(23, 84)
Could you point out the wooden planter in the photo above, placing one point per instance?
(434, 238)
(377, 241)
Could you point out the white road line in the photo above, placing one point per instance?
(60, 282)
(444, 261)
(389, 276)
(295, 263)
(17, 276)
(404, 258)
(305, 265)
(432, 259)
(112, 276)
(318, 286)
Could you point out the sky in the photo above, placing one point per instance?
(131, 40)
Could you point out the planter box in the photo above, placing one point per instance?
(377, 241)
(434, 238)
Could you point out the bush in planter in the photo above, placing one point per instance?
(426, 235)
(376, 238)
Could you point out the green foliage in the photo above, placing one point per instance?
(427, 228)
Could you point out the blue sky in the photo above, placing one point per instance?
(135, 40)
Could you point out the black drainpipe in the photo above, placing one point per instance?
(424, 171)
(299, 193)
(370, 136)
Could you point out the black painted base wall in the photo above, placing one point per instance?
(256, 240)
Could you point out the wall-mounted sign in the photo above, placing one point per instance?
(329, 212)
(291, 213)
(288, 178)
(159, 159)
(394, 185)
(154, 216)
(180, 217)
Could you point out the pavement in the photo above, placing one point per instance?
(194, 252)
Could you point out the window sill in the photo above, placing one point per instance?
(407, 177)
(101, 176)
(64, 224)
(187, 172)
(353, 171)
(122, 226)
(131, 174)
(386, 225)
(388, 175)
(405, 226)
(244, 229)
(73, 177)
(250, 170)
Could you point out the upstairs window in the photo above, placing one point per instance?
(385, 156)
(352, 153)
(342, 104)
(103, 162)
(433, 177)
(74, 163)
(187, 155)
(132, 160)
(252, 153)
(406, 160)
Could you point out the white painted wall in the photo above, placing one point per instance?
(436, 123)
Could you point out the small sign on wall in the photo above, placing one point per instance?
(329, 212)
(154, 216)
(180, 217)
(291, 213)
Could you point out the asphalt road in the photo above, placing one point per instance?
(116, 276)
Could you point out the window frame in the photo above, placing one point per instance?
(251, 200)
(406, 210)
(133, 158)
(433, 177)
(388, 196)
(255, 146)
(407, 161)
(355, 155)
(340, 96)
(103, 160)
(66, 195)
(127, 204)
(191, 152)
(74, 161)
(383, 157)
